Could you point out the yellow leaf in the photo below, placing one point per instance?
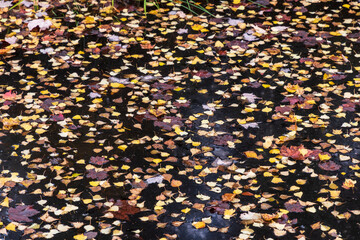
(241, 121)
(26, 126)
(334, 194)
(324, 157)
(158, 208)
(251, 154)
(228, 213)
(277, 180)
(219, 44)
(236, 1)
(274, 151)
(178, 89)
(11, 227)
(157, 160)
(349, 183)
(122, 147)
(80, 237)
(267, 174)
(199, 225)
(196, 60)
(117, 232)
(179, 132)
(203, 91)
(5, 203)
(87, 201)
(186, 210)
(237, 191)
(335, 33)
(97, 100)
(268, 141)
(117, 85)
(119, 184)
(89, 19)
(197, 27)
(94, 183)
(303, 151)
(40, 131)
(300, 181)
(125, 167)
(198, 167)
(266, 110)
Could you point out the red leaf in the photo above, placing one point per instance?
(294, 206)
(98, 160)
(9, 95)
(218, 207)
(125, 209)
(299, 152)
(22, 213)
(329, 166)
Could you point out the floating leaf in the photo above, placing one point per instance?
(22, 213)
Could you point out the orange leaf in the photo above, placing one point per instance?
(3, 51)
(176, 183)
(228, 197)
(251, 154)
(198, 225)
(199, 206)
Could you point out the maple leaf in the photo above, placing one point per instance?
(125, 209)
(101, 175)
(57, 117)
(10, 96)
(250, 97)
(218, 207)
(222, 140)
(349, 183)
(329, 166)
(22, 213)
(299, 152)
(294, 206)
(203, 74)
(98, 160)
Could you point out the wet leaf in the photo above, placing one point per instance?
(22, 213)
